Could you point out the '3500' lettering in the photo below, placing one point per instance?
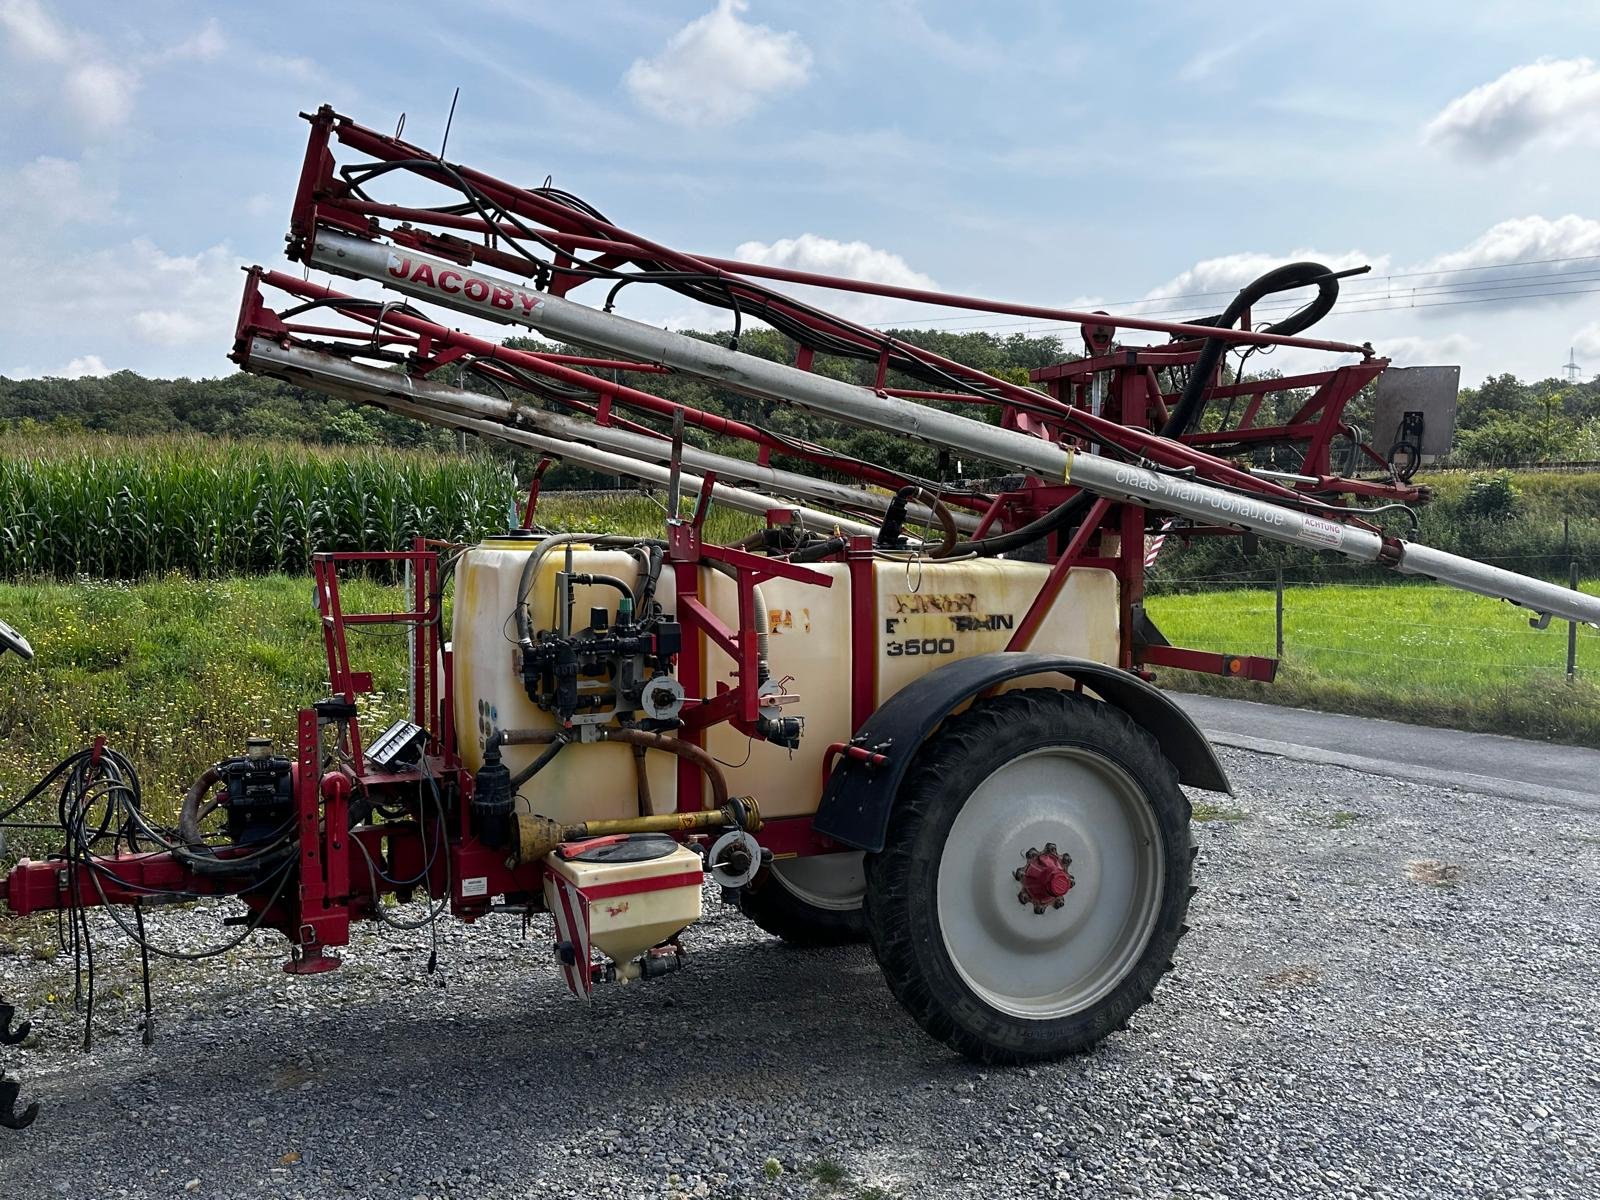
(914, 646)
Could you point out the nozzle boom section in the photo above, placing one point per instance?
(321, 370)
(500, 300)
(367, 385)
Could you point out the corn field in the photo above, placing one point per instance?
(131, 508)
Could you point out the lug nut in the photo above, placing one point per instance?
(1023, 898)
(1038, 909)
(1060, 900)
(1030, 853)
(1049, 847)
(1018, 873)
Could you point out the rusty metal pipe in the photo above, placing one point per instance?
(686, 750)
(538, 836)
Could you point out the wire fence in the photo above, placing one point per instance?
(1362, 628)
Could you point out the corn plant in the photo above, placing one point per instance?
(128, 508)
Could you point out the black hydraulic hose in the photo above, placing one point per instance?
(189, 813)
(894, 520)
(1057, 518)
(1281, 279)
(1187, 411)
(817, 551)
(537, 765)
(530, 568)
(596, 580)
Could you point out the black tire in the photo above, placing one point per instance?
(772, 906)
(902, 909)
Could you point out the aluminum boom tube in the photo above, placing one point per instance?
(318, 369)
(362, 392)
(498, 299)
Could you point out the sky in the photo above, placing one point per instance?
(1142, 157)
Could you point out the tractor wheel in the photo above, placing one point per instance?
(1034, 879)
(814, 901)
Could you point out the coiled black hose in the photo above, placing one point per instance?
(1191, 404)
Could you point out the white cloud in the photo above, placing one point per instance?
(89, 364)
(32, 31)
(1226, 274)
(1209, 61)
(1586, 341)
(967, 51)
(74, 71)
(101, 94)
(852, 260)
(1423, 351)
(206, 45)
(718, 68)
(296, 67)
(97, 91)
(171, 327)
(1555, 101)
(53, 191)
(1526, 239)
(133, 293)
(1519, 262)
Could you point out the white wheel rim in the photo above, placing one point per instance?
(836, 882)
(1048, 965)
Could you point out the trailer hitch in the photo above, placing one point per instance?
(9, 1089)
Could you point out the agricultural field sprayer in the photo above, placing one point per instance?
(938, 689)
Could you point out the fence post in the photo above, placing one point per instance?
(1278, 619)
(1572, 626)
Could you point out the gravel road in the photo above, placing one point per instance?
(1390, 990)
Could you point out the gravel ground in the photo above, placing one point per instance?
(1390, 990)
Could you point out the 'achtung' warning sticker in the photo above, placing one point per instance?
(1327, 533)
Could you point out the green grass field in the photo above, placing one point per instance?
(1413, 652)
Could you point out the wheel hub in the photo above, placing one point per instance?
(1045, 879)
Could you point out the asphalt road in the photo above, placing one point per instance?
(1481, 762)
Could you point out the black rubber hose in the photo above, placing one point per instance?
(1191, 404)
(537, 765)
(595, 579)
(817, 551)
(1281, 279)
(894, 520)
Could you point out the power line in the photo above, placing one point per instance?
(1359, 306)
(1374, 284)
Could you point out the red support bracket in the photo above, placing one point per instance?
(1237, 666)
(320, 919)
(545, 464)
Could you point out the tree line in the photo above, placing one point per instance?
(1504, 420)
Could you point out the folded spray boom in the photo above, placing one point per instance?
(472, 292)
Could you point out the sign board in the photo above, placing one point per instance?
(1430, 391)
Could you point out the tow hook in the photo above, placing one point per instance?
(9, 1089)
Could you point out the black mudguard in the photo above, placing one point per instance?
(858, 796)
